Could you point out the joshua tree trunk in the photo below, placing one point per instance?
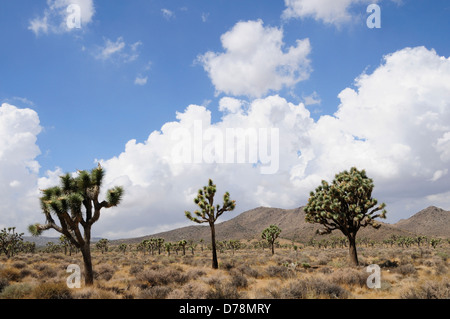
(352, 249)
(88, 272)
(215, 264)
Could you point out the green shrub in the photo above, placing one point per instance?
(16, 291)
(52, 291)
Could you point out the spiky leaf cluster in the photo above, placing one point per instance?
(75, 202)
(345, 204)
(205, 201)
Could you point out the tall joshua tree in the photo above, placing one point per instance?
(209, 213)
(346, 205)
(270, 234)
(73, 207)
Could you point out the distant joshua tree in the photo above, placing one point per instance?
(76, 206)
(102, 245)
(347, 205)
(168, 246)
(123, 248)
(270, 234)
(182, 243)
(209, 213)
(10, 241)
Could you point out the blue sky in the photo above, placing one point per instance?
(134, 64)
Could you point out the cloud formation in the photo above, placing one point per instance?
(18, 165)
(256, 61)
(55, 16)
(393, 123)
(118, 50)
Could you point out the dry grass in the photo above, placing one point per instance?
(255, 274)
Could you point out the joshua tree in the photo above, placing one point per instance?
(435, 242)
(66, 244)
(234, 244)
(270, 234)
(102, 245)
(346, 205)
(201, 244)
(10, 241)
(29, 247)
(209, 213)
(168, 246)
(76, 206)
(182, 243)
(123, 248)
(158, 243)
(191, 245)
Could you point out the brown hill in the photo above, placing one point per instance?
(431, 221)
(250, 224)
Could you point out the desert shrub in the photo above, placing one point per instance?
(93, 293)
(280, 260)
(389, 264)
(45, 270)
(156, 266)
(278, 271)
(214, 280)
(135, 269)
(10, 274)
(238, 280)
(105, 272)
(162, 277)
(305, 265)
(188, 260)
(407, 269)
(444, 255)
(16, 291)
(223, 290)
(313, 288)
(27, 272)
(3, 284)
(428, 290)
(440, 268)
(19, 265)
(322, 260)
(325, 270)
(350, 276)
(227, 265)
(249, 271)
(52, 291)
(295, 290)
(195, 273)
(189, 291)
(156, 292)
(340, 262)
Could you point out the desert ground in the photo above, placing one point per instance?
(415, 272)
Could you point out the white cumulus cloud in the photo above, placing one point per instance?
(256, 61)
(19, 205)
